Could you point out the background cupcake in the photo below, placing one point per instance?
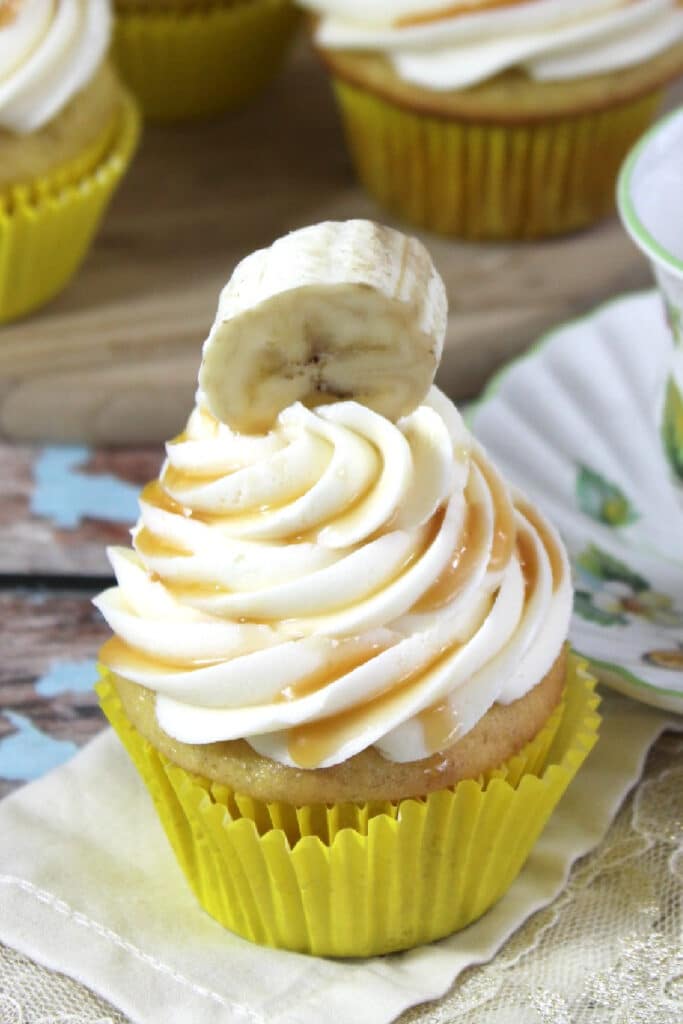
(490, 120)
(188, 59)
(67, 132)
(340, 657)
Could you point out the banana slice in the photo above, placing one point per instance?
(335, 311)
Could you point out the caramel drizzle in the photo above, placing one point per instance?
(9, 11)
(208, 421)
(453, 11)
(528, 560)
(154, 494)
(186, 589)
(458, 9)
(180, 438)
(120, 657)
(440, 726)
(349, 655)
(458, 573)
(180, 479)
(547, 539)
(149, 545)
(311, 743)
(504, 528)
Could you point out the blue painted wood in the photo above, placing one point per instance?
(62, 505)
(48, 707)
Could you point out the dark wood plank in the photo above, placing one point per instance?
(48, 707)
(61, 506)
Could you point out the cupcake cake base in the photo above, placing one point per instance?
(508, 159)
(361, 879)
(47, 224)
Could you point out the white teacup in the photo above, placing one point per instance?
(650, 199)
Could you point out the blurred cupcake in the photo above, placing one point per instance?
(195, 58)
(67, 132)
(497, 118)
(340, 660)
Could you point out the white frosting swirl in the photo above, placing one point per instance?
(549, 39)
(49, 50)
(319, 589)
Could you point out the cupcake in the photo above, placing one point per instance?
(67, 133)
(489, 119)
(196, 58)
(340, 660)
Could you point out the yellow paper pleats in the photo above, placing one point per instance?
(364, 879)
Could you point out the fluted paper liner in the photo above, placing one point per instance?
(478, 180)
(194, 63)
(46, 225)
(360, 880)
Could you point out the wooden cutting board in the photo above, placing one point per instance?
(114, 358)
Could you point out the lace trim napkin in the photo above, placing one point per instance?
(89, 888)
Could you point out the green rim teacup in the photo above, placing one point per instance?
(650, 201)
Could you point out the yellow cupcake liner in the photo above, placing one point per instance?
(363, 879)
(46, 225)
(198, 63)
(60, 177)
(487, 181)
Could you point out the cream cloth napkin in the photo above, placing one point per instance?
(89, 887)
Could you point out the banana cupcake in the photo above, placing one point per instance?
(67, 132)
(340, 657)
(497, 118)
(196, 58)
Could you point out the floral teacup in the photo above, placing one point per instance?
(650, 199)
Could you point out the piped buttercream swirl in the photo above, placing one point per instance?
(456, 45)
(49, 51)
(338, 583)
